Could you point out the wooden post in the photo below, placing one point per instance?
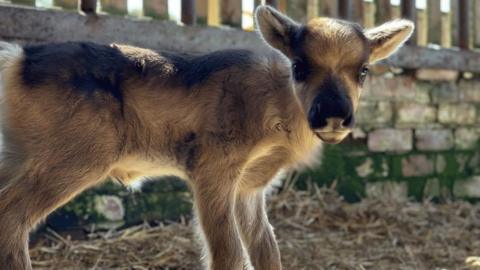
(328, 8)
(117, 7)
(368, 14)
(88, 6)
(273, 3)
(395, 10)
(463, 24)
(188, 12)
(345, 9)
(282, 6)
(446, 24)
(312, 9)
(231, 12)
(297, 10)
(385, 11)
(422, 25)
(157, 9)
(213, 12)
(476, 23)
(434, 21)
(201, 11)
(357, 11)
(408, 10)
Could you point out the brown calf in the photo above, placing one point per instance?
(74, 114)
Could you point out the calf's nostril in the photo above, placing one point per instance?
(349, 122)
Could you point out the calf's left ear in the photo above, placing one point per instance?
(385, 39)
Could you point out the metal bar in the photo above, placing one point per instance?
(408, 11)
(463, 24)
(88, 6)
(345, 9)
(189, 15)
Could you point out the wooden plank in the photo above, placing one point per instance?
(88, 6)
(345, 9)
(408, 11)
(24, 2)
(55, 26)
(273, 3)
(368, 14)
(454, 13)
(463, 24)
(413, 57)
(231, 12)
(357, 11)
(157, 9)
(213, 12)
(422, 26)
(446, 27)
(434, 21)
(297, 10)
(476, 24)
(312, 9)
(384, 11)
(282, 6)
(66, 4)
(189, 16)
(117, 7)
(328, 8)
(201, 11)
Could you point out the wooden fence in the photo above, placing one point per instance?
(447, 33)
(445, 23)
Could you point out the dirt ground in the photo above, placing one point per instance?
(315, 229)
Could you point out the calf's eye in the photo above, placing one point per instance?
(363, 73)
(299, 70)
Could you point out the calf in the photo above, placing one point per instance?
(74, 114)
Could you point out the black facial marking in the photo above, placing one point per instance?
(331, 101)
(85, 67)
(196, 69)
(300, 66)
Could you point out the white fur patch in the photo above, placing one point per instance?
(8, 53)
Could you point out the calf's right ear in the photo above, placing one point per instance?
(276, 29)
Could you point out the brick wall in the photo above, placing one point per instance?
(414, 138)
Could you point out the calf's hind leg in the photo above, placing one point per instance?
(32, 194)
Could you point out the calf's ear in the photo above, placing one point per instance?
(385, 39)
(276, 29)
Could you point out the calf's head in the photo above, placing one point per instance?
(330, 60)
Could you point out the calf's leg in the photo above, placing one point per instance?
(30, 196)
(256, 231)
(214, 198)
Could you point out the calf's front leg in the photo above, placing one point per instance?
(256, 231)
(214, 198)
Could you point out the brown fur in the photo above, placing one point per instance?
(227, 137)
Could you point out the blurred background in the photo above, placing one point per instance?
(417, 139)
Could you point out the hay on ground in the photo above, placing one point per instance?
(315, 229)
